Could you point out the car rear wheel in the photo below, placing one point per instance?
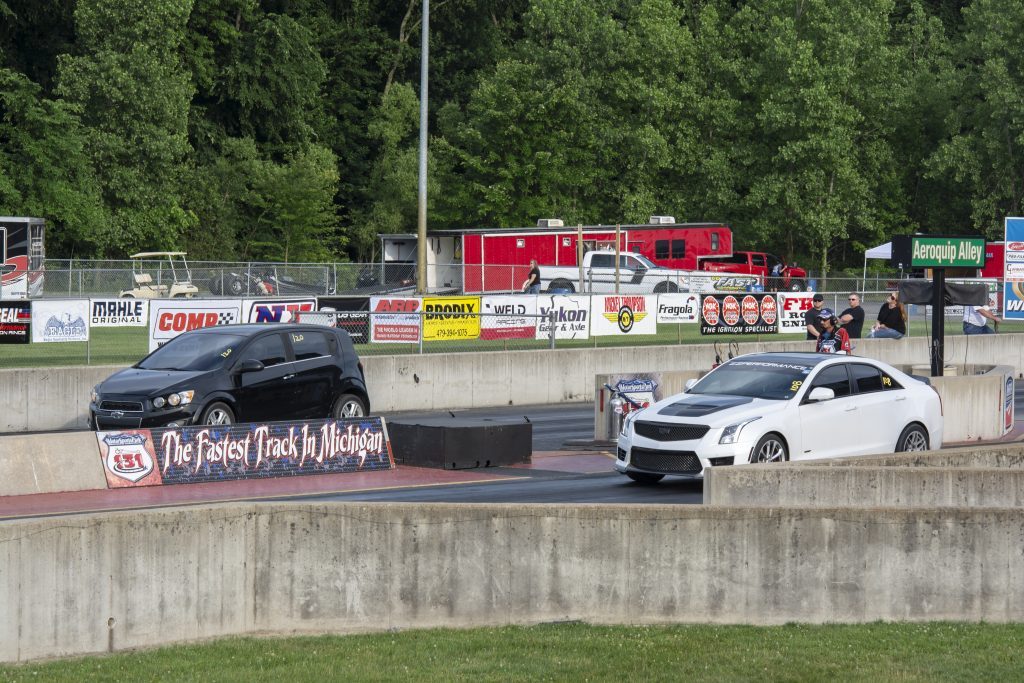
(771, 448)
(913, 438)
(665, 288)
(348, 406)
(218, 413)
(561, 285)
(644, 477)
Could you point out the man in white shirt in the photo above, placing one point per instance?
(976, 319)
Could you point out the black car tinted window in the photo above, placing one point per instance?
(309, 345)
(201, 352)
(866, 378)
(268, 349)
(834, 378)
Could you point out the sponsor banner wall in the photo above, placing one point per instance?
(792, 307)
(275, 310)
(169, 318)
(721, 283)
(394, 320)
(15, 322)
(623, 314)
(187, 455)
(451, 317)
(509, 317)
(739, 314)
(572, 316)
(353, 315)
(678, 308)
(118, 312)
(1013, 269)
(60, 320)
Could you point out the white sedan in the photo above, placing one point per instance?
(770, 407)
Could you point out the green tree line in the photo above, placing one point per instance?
(288, 129)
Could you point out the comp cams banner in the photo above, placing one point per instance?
(623, 315)
(168, 319)
(153, 457)
(739, 314)
(118, 312)
(60, 320)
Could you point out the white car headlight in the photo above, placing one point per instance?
(627, 423)
(731, 434)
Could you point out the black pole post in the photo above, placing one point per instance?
(938, 321)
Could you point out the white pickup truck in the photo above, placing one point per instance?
(637, 275)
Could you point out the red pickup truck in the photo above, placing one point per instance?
(773, 271)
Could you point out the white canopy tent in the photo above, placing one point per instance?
(881, 251)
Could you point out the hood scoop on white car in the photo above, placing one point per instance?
(705, 405)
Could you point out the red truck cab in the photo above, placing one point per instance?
(772, 271)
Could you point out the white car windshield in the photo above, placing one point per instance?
(648, 263)
(754, 378)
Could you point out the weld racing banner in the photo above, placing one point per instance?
(451, 317)
(352, 314)
(188, 455)
(721, 283)
(168, 319)
(118, 312)
(623, 314)
(395, 320)
(571, 316)
(509, 317)
(56, 320)
(739, 314)
(15, 322)
(1013, 269)
(678, 308)
(792, 307)
(276, 310)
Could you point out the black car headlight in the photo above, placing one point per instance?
(95, 395)
(179, 398)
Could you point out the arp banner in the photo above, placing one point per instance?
(451, 317)
(678, 308)
(60, 320)
(1013, 269)
(352, 314)
(739, 314)
(623, 314)
(276, 310)
(168, 319)
(15, 322)
(200, 453)
(792, 307)
(509, 317)
(118, 312)
(395, 320)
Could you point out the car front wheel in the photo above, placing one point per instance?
(218, 413)
(913, 438)
(348, 406)
(771, 448)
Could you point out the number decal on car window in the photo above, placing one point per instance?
(795, 386)
(297, 337)
(886, 381)
(226, 353)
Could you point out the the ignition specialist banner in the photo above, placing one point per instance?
(15, 322)
(60, 320)
(187, 455)
(1013, 269)
(678, 308)
(614, 314)
(792, 307)
(395, 320)
(571, 316)
(509, 317)
(118, 312)
(169, 318)
(451, 317)
(739, 314)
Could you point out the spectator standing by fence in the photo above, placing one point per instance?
(892, 320)
(852, 318)
(812, 317)
(532, 283)
(976, 319)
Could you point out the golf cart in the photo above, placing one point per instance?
(172, 266)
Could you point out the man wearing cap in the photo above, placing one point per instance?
(833, 339)
(812, 317)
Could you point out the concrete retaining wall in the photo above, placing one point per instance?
(113, 581)
(47, 463)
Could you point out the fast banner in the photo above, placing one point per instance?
(395, 320)
(621, 315)
(188, 455)
(721, 283)
(15, 322)
(168, 319)
(571, 316)
(509, 317)
(1013, 269)
(57, 320)
(792, 307)
(275, 310)
(352, 314)
(118, 312)
(678, 308)
(451, 317)
(739, 314)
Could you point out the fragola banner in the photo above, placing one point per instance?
(187, 455)
(678, 308)
(623, 314)
(739, 314)
(792, 307)
(168, 319)
(395, 320)
(509, 317)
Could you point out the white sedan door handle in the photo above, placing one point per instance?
(849, 408)
(901, 398)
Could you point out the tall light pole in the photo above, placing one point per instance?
(421, 222)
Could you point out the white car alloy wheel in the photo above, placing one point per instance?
(770, 449)
(912, 439)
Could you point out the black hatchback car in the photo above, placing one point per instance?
(236, 373)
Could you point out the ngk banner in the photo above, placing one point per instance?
(394, 320)
(168, 319)
(739, 314)
(792, 307)
(571, 316)
(618, 315)
(451, 317)
(118, 312)
(15, 321)
(678, 308)
(721, 283)
(509, 317)
(60, 320)
(276, 310)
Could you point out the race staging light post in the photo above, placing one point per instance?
(421, 222)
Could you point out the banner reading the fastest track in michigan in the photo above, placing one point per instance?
(451, 317)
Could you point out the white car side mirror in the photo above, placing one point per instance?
(820, 394)
(690, 384)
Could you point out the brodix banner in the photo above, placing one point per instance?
(451, 317)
